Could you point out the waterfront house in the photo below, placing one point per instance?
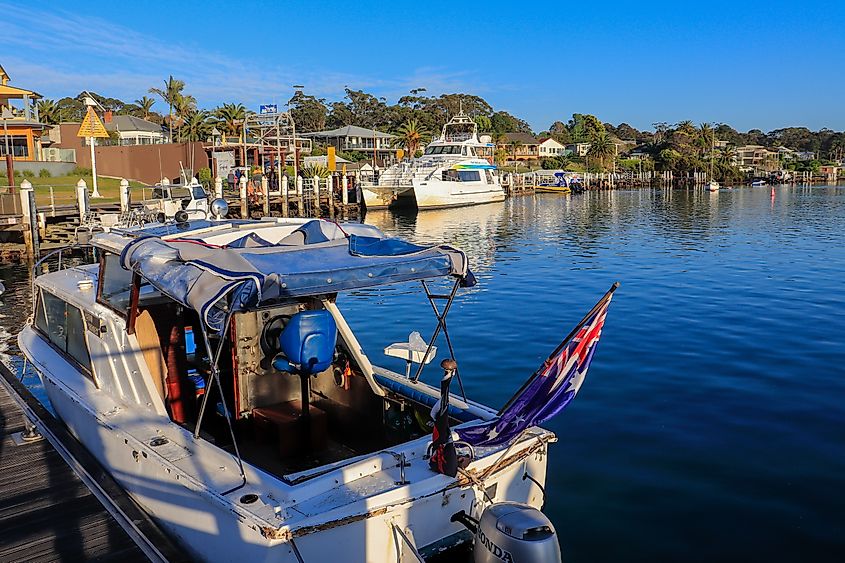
(21, 128)
(550, 147)
(638, 153)
(352, 138)
(579, 149)
(521, 146)
(755, 158)
(805, 155)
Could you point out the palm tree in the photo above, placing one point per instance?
(48, 112)
(230, 118)
(514, 146)
(410, 135)
(196, 125)
(183, 106)
(706, 138)
(728, 155)
(686, 126)
(601, 147)
(146, 104)
(171, 93)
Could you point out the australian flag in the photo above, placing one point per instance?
(551, 388)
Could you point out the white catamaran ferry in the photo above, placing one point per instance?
(208, 367)
(452, 172)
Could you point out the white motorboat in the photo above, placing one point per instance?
(712, 186)
(207, 366)
(452, 172)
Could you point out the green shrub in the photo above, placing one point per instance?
(44, 173)
(79, 171)
(204, 176)
(28, 174)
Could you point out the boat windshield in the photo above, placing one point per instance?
(445, 149)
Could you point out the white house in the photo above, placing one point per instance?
(133, 130)
(550, 147)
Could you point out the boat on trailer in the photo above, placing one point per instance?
(208, 367)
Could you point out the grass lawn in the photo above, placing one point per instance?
(64, 188)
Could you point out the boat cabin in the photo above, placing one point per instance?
(231, 329)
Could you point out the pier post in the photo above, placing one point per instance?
(244, 202)
(316, 196)
(299, 195)
(330, 190)
(265, 190)
(82, 199)
(124, 195)
(285, 204)
(344, 194)
(218, 188)
(30, 219)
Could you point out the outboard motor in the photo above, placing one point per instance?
(514, 532)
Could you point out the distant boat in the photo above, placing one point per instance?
(758, 183)
(452, 172)
(557, 181)
(712, 186)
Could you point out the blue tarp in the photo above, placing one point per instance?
(199, 276)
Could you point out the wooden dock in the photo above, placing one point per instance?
(56, 502)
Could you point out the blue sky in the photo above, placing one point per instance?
(750, 64)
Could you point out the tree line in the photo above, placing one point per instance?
(416, 117)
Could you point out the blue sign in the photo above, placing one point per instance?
(270, 108)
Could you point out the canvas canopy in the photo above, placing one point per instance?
(314, 260)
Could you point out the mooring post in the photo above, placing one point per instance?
(82, 199)
(10, 172)
(330, 190)
(30, 219)
(124, 196)
(285, 208)
(244, 202)
(317, 195)
(218, 188)
(265, 189)
(299, 195)
(344, 192)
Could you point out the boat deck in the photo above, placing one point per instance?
(47, 512)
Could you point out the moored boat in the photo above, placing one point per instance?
(207, 366)
(452, 172)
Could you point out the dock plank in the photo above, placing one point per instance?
(46, 512)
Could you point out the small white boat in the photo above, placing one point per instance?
(451, 173)
(759, 183)
(712, 186)
(207, 366)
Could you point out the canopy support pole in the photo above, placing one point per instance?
(215, 376)
(441, 325)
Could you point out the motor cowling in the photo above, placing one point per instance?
(514, 532)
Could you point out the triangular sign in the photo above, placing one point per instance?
(92, 126)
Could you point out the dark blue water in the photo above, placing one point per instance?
(712, 423)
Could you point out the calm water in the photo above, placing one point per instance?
(712, 424)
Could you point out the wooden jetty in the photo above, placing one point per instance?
(31, 231)
(56, 502)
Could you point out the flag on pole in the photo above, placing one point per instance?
(551, 388)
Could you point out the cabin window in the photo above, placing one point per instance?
(469, 175)
(63, 326)
(114, 284)
(489, 176)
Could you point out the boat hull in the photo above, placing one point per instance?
(209, 527)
